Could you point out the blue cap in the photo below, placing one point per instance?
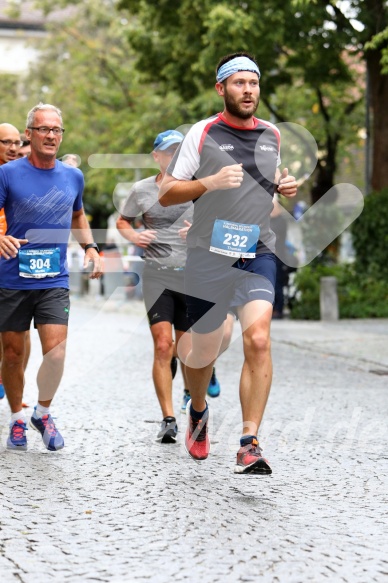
(167, 139)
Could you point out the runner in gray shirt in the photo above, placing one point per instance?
(163, 277)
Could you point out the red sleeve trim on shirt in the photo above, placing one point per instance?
(206, 129)
(272, 127)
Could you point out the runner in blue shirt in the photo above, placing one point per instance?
(42, 199)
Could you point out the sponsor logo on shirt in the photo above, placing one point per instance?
(267, 148)
(226, 147)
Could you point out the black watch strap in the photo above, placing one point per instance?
(91, 246)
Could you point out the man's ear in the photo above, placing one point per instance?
(220, 89)
(155, 156)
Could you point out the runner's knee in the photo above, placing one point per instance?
(257, 343)
(163, 348)
(13, 355)
(56, 356)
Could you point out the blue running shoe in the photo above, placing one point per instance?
(214, 388)
(185, 400)
(17, 439)
(2, 391)
(52, 439)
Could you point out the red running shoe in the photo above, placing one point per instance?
(197, 440)
(250, 460)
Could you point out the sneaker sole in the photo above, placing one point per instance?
(196, 459)
(17, 448)
(255, 468)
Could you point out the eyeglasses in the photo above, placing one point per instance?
(44, 130)
(16, 143)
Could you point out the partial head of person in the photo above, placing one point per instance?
(71, 160)
(25, 148)
(44, 130)
(165, 145)
(238, 77)
(10, 143)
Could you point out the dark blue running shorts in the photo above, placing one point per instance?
(214, 284)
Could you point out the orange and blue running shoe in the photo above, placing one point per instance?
(52, 439)
(250, 460)
(17, 439)
(197, 442)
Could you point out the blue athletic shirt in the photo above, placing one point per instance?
(38, 205)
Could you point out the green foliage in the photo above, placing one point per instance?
(121, 76)
(87, 70)
(12, 104)
(380, 43)
(308, 75)
(359, 296)
(370, 236)
(314, 225)
(362, 286)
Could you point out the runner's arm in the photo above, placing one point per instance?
(82, 232)
(173, 191)
(141, 238)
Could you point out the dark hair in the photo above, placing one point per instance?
(233, 56)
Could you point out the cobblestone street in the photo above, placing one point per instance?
(115, 505)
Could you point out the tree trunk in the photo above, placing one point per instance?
(323, 177)
(378, 84)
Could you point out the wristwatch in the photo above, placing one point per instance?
(91, 246)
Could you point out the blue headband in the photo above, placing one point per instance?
(234, 66)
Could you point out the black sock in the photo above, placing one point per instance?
(247, 439)
(197, 415)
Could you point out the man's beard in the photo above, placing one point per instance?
(235, 109)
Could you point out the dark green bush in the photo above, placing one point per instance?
(359, 296)
(370, 236)
(362, 286)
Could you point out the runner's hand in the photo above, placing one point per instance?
(183, 232)
(287, 184)
(9, 246)
(91, 255)
(145, 238)
(228, 177)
